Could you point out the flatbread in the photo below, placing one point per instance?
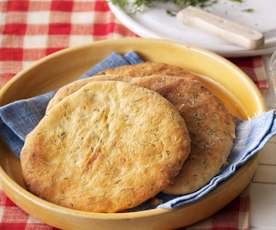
(106, 148)
(125, 73)
(210, 125)
(148, 68)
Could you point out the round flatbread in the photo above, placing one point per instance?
(108, 147)
(125, 73)
(147, 69)
(210, 125)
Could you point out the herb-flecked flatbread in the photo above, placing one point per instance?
(105, 148)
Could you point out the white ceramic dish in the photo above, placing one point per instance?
(156, 23)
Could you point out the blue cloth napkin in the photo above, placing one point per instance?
(17, 119)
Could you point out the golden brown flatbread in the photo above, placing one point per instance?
(147, 69)
(210, 125)
(105, 148)
(125, 72)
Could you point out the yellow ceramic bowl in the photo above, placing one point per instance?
(222, 77)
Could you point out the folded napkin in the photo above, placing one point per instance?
(17, 119)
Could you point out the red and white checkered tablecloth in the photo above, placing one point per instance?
(32, 29)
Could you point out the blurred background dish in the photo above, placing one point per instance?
(155, 22)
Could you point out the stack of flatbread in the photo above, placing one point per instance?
(110, 142)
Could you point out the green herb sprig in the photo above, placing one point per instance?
(133, 6)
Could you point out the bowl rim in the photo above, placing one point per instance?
(6, 179)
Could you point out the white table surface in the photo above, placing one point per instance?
(263, 186)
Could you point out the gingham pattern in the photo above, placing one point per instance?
(233, 217)
(255, 68)
(33, 29)
(30, 30)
